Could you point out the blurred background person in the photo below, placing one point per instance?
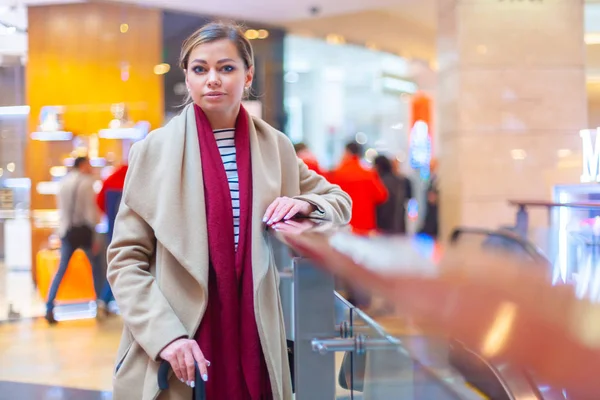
(108, 201)
(364, 187)
(430, 225)
(367, 192)
(78, 218)
(304, 153)
(391, 215)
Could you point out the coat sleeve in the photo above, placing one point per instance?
(330, 201)
(144, 308)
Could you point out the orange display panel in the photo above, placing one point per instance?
(77, 285)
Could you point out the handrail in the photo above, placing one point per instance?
(531, 249)
(550, 204)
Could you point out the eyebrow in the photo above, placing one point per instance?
(224, 60)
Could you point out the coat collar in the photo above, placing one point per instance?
(165, 187)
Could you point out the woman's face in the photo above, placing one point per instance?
(216, 77)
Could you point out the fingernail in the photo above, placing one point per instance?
(193, 384)
(207, 363)
(264, 219)
(188, 383)
(205, 378)
(182, 380)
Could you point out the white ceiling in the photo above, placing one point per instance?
(271, 11)
(405, 27)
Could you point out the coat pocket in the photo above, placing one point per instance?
(123, 358)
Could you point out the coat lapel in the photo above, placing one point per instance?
(266, 184)
(168, 173)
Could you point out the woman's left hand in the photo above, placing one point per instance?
(284, 208)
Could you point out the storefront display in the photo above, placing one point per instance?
(338, 93)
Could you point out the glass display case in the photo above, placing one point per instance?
(577, 230)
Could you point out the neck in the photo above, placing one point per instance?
(223, 120)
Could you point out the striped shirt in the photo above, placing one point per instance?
(226, 144)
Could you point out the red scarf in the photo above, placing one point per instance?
(228, 335)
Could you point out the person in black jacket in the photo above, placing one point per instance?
(430, 225)
(391, 215)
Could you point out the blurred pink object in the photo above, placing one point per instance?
(502, 307)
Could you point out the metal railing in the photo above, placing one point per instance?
(342, 353)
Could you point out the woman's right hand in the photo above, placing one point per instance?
(181, 354)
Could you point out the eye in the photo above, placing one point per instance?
(198, 69)
(228, 68)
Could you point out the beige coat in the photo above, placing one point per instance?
(158, 258)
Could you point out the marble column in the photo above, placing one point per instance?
(511, 101)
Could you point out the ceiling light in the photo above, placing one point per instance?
(124, 28)
(361, 138)
(562, 153)
(10, 167)
(518, 154)
(162, 69)
(335, 39)
(263, 33)
(592, 38)
(251, 34)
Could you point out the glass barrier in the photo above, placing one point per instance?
(344, 353)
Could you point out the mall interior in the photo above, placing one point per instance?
(487, 114)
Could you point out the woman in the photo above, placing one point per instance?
(190, 264)
(391, 215)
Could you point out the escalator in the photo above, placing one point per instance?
(494, 379)
(393, 362)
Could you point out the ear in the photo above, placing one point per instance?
(186, 80)
(249, 77)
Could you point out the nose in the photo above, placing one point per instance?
(213, 78)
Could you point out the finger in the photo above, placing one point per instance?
(280, 212)
(175, 366)
(202, 362)
(190, 367)
(270, 209)
(295, 210)
(183, 376)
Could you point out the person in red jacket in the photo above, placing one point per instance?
(115, 182)
(364, 186)
(304, 153)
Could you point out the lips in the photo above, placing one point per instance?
(214, 95)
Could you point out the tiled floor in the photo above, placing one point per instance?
(74, 354)
(18, 296)
(72, 360)
(24, 391)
